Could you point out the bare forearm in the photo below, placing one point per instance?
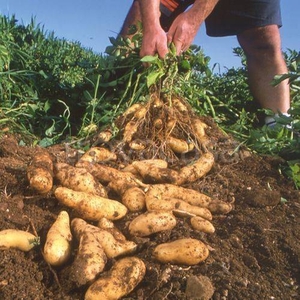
(150, 13)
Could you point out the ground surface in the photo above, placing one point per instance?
(254, 253)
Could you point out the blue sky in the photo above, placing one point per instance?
(92, 22)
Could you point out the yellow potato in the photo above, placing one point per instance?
(57, 249)
(124, 276)
(91, 207)
(109, 226)
(152, 222)
(134, 199)
(220, 207)
(40, 172)
(186, 251)
(179, 145)
(129, 130)
(169, 191)
(18, 239)
(201, 224)
(90, 259)
(196, 170)
(78, 179)
(98, 154)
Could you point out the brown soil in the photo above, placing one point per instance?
(254, 253)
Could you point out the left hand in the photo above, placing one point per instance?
(182, 32)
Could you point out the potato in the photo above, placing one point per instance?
(105, 174)
(142, 164)
(78, 179)
(111, 246)
(98, 154)
(90, 259)
(220, 207)
(201, 224)
(18, 239)
(137, 145)
(134, 199)
(152, 222)
(40, 172)
(123, 277)
(57, 248)
(132, 109)
(196, 170)
(140, 113)
(199, 129)
(91, 207)
(129, 130)
(120, 186)
(161, 191)
(178, 206)
(104, 136)
(179, 145)
(109, 226)
(186, 251)
(179, 105)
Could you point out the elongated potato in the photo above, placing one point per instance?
(105, 174)
(124, 276)
(78, 179)
(111, 246)
(40, 172)
(109, 226)
(161, 191)
(179, 207)
(129, 130)
(120, 186)
(220, 207)
(201, 224)
(179, 146)
(179, 105)
(57, 249)
(185, 251)
(90, 259)
(18, 239)
(132, 109)
(197, 170)
(199, 129)
(91, 207)
(152, 222)
(98, 154)
(142, 164)
(134, 199)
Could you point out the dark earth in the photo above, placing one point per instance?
(254, 252)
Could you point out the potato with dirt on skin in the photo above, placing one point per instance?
(200, 224)
(90, 259)
(179, 146)
(17, 239)
(134, 199)
(123, 277)
(78, 179)
(98, 154)
(57, 248)
(90, 207)
(197, 170)
(112, 247)
(40, 172)
(152, 222)
(186, 251)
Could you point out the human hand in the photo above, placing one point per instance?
(182, 32)
(154, 42)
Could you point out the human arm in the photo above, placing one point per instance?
(185, 27)
(154, 37)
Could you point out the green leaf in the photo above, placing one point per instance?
(153, 77)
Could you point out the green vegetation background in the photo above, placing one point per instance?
(53, 90)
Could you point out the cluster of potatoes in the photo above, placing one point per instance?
(83, 188)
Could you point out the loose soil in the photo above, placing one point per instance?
(254, 252)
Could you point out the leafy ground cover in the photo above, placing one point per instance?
(56, 94)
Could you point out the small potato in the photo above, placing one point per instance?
(120, 186)
(179, 146)
(185, 251)
(78, 179)
(180, 105)
(152, 222)
(129, 130)
(137, 145)
(109, 226)
(57, 249)
(40, 172)
(90, 259)
(132, 109)
(124, 276)
(18, 239)
(220, 207)
(201, 224)
(98, 154)
(91, 207)
(196, 170)
(134, 199)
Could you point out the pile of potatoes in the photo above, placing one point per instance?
(148, 189)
